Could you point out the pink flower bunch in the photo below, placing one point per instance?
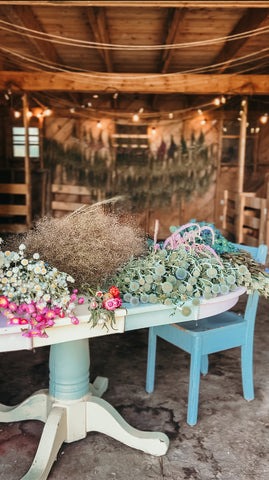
(108, 300)
(37, 316)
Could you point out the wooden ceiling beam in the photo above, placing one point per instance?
(208, 84)
(144, 3)
(98, 24)
(251, 20)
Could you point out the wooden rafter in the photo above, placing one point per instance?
(173, 36)
(144, 3)
(23, 16)
(207, 84)
(98, 24)
(252, 19)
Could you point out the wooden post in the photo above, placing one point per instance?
(241, 170)
(267, 213)
(27, 166)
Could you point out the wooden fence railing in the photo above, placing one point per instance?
(245, 217)
(16, 213)
(67, 198)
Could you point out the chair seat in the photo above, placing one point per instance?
(210, 323)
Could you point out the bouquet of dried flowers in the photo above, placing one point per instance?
(183, 269)
(90, 245)
(33, 294)
(102, 305)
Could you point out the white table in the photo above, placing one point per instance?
(72, 406)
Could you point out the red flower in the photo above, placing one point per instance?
(114, 291)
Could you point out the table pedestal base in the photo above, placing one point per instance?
(71, 420)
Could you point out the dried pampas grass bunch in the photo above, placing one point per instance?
(87, 244)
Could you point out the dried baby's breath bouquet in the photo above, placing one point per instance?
(88, 244)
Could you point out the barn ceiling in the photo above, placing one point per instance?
(116, 56)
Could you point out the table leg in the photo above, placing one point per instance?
(72, 407)
(53, 436)
(103, 418)
(36, 407)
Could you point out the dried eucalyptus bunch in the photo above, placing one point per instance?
(173, 276)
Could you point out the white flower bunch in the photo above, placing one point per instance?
(26, 280)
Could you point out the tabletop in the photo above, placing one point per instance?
(127, 318)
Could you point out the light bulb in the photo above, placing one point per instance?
(153, 131)
(29, 114)
(264, 118)
(171, 115)
(17, 114)
(47, 112)
(99, 124)
(223, 99)
(135, 117)
(216, 101)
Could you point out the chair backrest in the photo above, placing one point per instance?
(259, 254)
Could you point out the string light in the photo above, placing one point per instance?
(89, 104)
(257, 129)
(264, 118)
(153, 131)
(223, 99)
(95, 95)
(141, 110)
(171, 115)
(135, 117)
(47, 112)
(203, 122)
(216, 101)
(86, 44)
(29, 114)
(99, 124)
(17, 114)
(200, 112)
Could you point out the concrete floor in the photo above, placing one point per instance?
(229, 442)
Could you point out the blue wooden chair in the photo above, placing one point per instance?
(210, 335)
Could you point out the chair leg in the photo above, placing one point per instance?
(204, 364)
(152, 343)
(247, 371)
(193, 398)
